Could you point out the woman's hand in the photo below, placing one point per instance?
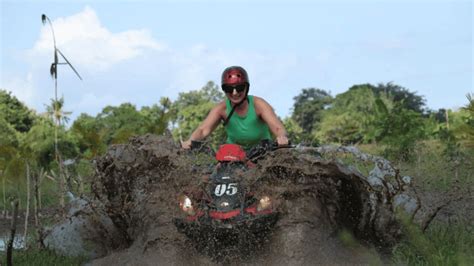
(186, 144)
(282, 140)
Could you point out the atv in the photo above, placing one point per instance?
(224, 213)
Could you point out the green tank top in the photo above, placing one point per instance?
(247, 130)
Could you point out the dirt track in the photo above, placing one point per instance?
(329, 214)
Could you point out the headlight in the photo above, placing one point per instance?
(264, 203)
(186, 205)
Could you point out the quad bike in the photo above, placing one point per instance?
(224, 213)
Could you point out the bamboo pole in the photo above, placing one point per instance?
(4, 196)
(40, 181)
(81, 185)
(28, 199)
(60, 183)
(35, 193)
(12, 233)
(39, 230)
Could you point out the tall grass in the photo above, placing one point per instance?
(442, 244)
(41, 258)
(431, 168)
(435, 171)
(17, 189)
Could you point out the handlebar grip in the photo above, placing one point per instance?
(196, 144)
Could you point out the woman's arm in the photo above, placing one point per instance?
(207, 126)
(266, 113)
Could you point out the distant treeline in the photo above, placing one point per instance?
(384, 114)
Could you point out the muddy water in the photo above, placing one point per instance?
(329, 214)
(18, 242)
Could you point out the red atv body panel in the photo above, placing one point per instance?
(230, 153)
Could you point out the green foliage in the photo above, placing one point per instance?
(15, 113)
(39, 144)
(351, 116)
(42, 258)
(157, 117)
(191, 108)
(90, 136)
(386, 113)
(452, 147)
(8, 134)
(439, 116)
(442, 244)
(56, 112)
(400, 95)
(120, 123)
(308, 108)
(294, 131)
(465, 129)
(434, 170)
(401, 129)
(116, 124)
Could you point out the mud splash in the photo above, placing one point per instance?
(329, 212)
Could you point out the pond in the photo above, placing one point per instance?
(18, 243)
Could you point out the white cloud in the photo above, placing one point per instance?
(151, 69)
(88, 44)
(21, 87)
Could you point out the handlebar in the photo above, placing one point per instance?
(254, 154)
(263, 147)
(201, 146)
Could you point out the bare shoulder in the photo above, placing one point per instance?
(220, 109)
(261, 105)
(215, 115)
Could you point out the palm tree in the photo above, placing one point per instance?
(60, 117)
(468, 128)
(8, 154)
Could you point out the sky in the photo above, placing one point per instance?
(140, 51)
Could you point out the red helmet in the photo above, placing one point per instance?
(234, 75)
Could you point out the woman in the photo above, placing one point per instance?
(247, 119)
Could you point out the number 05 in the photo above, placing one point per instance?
(229, 189)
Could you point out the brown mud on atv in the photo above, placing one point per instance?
(224, 217)
(327, 211)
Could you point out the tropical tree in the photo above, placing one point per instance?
(351, 116)
(295, 132)
(56, 113)
(60, 117)
(157, 117)
(367, 113)
(120, 123)
(8, 152)
(465, 130)
(398, 94)
(42, 143)
(308, 108)
(400, 129)
(90, 136)
(15, 112)
(192, 107)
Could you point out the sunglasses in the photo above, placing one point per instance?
(230, 88)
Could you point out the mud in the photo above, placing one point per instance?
(330, 213)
